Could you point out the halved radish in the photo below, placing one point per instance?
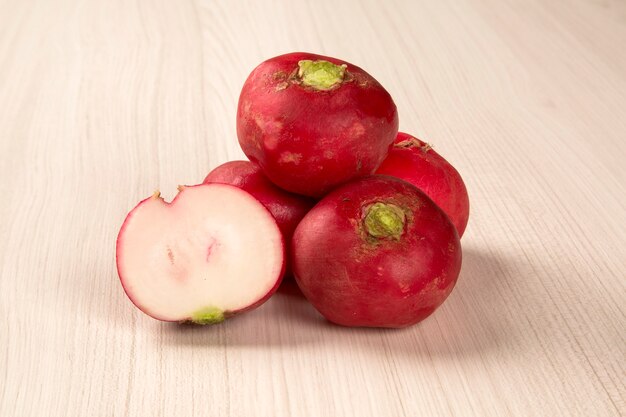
(212, 252)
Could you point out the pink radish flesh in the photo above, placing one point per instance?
(212, 252)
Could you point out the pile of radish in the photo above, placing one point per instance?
(365, 218)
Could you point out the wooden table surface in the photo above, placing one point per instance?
(102, 102)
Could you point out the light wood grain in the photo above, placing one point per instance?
(102, 102)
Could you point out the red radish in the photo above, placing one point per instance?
(376, 252)
(212, 252)
(287, 208)
(416, 162)
(313, 122)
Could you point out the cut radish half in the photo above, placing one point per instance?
(212, 252)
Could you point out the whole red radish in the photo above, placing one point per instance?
(313, 122)
(416, 162)
(376, 252)
(213, 252)
(287, 208)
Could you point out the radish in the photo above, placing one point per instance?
(376, 252)
(287, 208)
(212, 252)
(416, 162)
(313, 122)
